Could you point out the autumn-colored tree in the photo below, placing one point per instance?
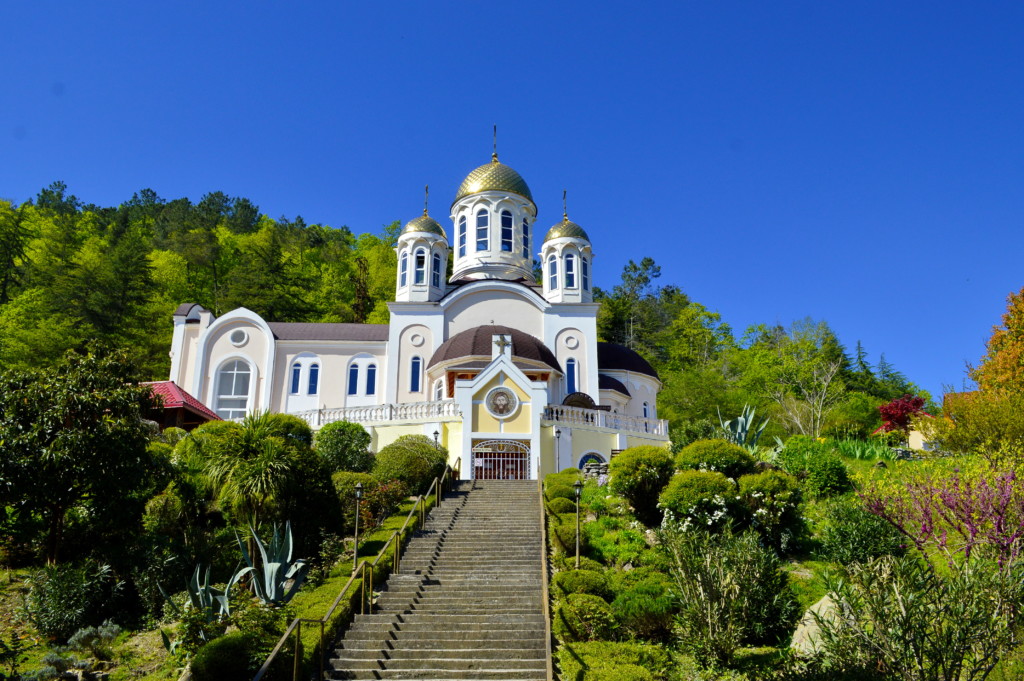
(1002, 367)
(896, 415)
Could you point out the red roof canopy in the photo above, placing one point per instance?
(176, 398)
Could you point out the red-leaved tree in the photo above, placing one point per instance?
(896, 415)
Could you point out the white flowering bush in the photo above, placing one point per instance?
(701, 499)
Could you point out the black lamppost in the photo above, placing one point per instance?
(355, 547)
(578, 489)
(436, 443)
(558, 447)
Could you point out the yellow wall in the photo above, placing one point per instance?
(521, 421)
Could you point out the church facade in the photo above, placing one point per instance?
(504, 371)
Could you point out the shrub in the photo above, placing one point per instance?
(65, 598)
(704, 498)
(563, 529)
(345, 447)
(561, 479)
(730, 591)
(96, 641)
(821, 470)
(639, 474)
(646, 609)
(583, 582)
(291, 428)
(224, 659)
(561, 505)
(613, 661)
(568, 562)
(772, 500)
(851, 534)
(413, 459)
(616, 540)
(716, 455)
(562, 492)
(583, 617)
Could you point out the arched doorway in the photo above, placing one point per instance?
(501, 460)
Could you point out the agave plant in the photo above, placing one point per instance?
(741, 430)
(270, 579)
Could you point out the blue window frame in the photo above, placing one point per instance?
(296, 375)
(570, 375)
(371, 379)
(415, 370)
(353, 379)
(314, 379)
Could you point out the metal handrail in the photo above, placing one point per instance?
(363, 567)
(545, 596)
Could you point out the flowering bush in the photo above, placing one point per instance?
(771, 501)
(716, 455)
(702, 499)
(639, 474)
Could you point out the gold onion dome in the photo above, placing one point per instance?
(566, 228)
(423, 223)
(494, 176)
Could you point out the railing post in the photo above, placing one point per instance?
(297, 664)
(362, 598)
(322, 651)
(369, 592)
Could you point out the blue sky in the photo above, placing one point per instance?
(860, 163)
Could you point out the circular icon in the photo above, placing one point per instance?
(501, 403)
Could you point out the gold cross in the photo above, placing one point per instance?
(502, 344)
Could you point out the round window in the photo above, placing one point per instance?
(238, 337)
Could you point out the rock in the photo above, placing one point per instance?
(807, 636)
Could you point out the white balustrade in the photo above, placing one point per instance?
(578, 416)
(381, 413)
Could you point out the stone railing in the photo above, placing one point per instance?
(578, 416)
(413, 411)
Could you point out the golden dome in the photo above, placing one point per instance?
(424, 223)
(566, 228)
(494, 176)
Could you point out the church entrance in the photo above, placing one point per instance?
(501, 460)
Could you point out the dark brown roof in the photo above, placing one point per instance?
(476, 364)
(615, 357)
(307, 331)
(186, 309)
(609, 383)
(478, 343)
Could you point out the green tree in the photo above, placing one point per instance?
(73, 437)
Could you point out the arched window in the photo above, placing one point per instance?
(415, 369)
(585, 273)
(482, 223)
(296, 375)
(462, 236)
(233, 389)
(647, 410)
(371, 379)
(403, 276)
(506, 231)
(570, 271)
(435, 271)
(421, 267)
(570, 375)
(314, 379)
(552, 273)
(439, 389)
(353, 379)
(526, 238)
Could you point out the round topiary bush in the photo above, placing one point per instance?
(771, 500)
(224, 659)
(851, 534)
(292, 428)
(563, 529)
(716, 455)
(561, 479)
(826, 475)
(413, 459)
(345, 447)
(560, 505)
(562, 492)
(639, 474)
(583, 617)
(583, 582)
(646, 609)
(704, 498)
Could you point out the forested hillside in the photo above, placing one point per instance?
(74, 274)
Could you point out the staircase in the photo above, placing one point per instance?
(468, 602)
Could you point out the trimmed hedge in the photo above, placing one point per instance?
(583, 582)
(716, 455)
(562, 492)
(610, 661)
(413, 459)
(583, 617)
(772, 503)
(560, 505)
(344, 446)
(639, 474)
(705, 497)
(224, 659)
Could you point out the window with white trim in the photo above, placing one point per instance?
(439, 389)
(552, 273)
(462, 236)
(506, 231)
(403, 271)
(570, 271)
(415, 374)
(526, 238)
(585, 273)
(421, 267)
(371, 379)
(482, 226)
(296, 376)
(570, 375)
(233, 389)
(313, 384)
(435, 271)
(353, 379)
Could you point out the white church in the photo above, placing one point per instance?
(504, 371)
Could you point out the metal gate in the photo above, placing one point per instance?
(501, 460)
